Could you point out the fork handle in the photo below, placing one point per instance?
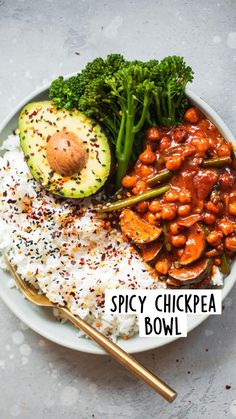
(121, 356)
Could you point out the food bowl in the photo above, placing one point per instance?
(41, 320)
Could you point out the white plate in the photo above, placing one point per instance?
(41, 320)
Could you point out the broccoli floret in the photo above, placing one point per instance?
(64, 93)
(170, 80)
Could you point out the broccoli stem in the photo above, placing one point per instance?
(131, 129)
(142, 119)
(158, 107)
(120, 137)
(124, 158)
(169, 102)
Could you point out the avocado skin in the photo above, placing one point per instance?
(38, 121)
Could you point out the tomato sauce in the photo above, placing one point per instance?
(202, 182)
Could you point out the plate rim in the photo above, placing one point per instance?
(150, 343)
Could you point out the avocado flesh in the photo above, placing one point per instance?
(38, 121)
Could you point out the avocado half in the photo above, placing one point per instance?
(38, 121)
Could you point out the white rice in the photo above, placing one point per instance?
(73, 258)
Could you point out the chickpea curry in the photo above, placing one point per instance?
(179, 207)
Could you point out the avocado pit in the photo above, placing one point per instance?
(66, 153)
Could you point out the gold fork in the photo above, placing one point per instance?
(114, 350)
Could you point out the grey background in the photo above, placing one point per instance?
(38, 41)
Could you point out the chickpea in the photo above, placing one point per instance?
(175, 228)
(184, 210)
(226, 227)
(192, 116)
(217, 261)
(168, 212)
(129, 181)
(209, 218)
(179, 240)
(171, 195)
(230, 243)
(185, 196)
(204, 124)
(155, 206)
(145, 170)
(226, 181)
(162, 266)
(142, 207)
(164, 143)
(188, 150)
(139, 188)
(214, 238)
(180, 135)
(150, 218)
(158, 216)
(147, 156)
(173, 162)
(215, 208)
(232, 208)
(152, 134)
(201, 145)
(224, 150)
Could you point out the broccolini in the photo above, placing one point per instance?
(124, 96)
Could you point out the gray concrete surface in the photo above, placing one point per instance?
(39, 40)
